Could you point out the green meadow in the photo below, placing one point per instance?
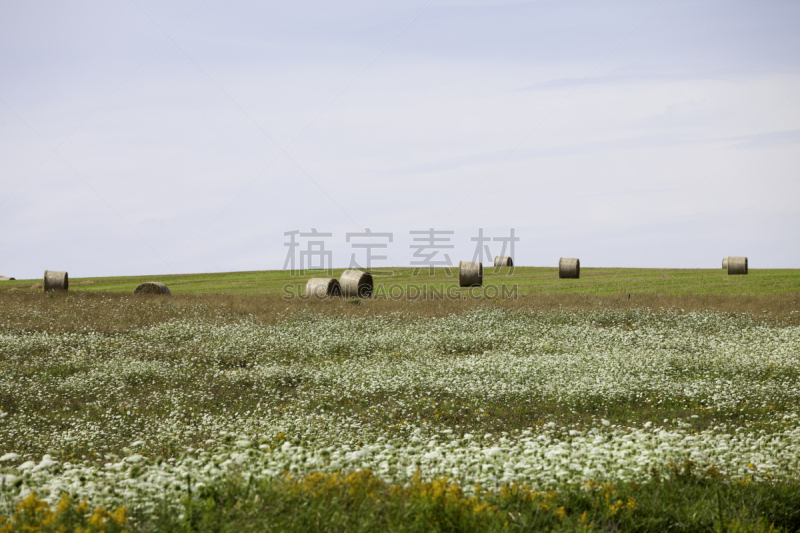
(528, 280)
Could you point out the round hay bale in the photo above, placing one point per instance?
(323, 287)
(503, 261)
(356, 284)
(55, 281)
(737, 266)
(151, 287)
(569, 268)
(724, 263)
(470, 274)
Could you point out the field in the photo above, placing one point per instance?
(628, 400)
(530, 280)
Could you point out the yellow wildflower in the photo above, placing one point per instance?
(119, 516)
(631, 505)
(616, 507)
(98, 518)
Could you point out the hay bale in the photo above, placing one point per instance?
(323, 287)
(470, 274)
(6, 278)
(356, 284)
(503, 261)
(569, 268)
(724, 263)
(737, 266)
(55, 281)
(151, 287)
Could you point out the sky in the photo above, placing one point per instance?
(146, 138)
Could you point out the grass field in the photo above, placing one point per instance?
(530, 280)
(225, 407)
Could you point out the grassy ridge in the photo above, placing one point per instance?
(530, 281)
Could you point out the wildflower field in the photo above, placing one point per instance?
(168, 414)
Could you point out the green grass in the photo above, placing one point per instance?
(530, 281)
(687, 500)
(680, 499)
